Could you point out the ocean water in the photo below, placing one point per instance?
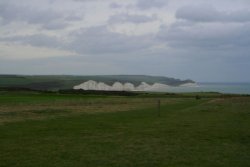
(234, 88)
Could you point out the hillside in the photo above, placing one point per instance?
(56, 82)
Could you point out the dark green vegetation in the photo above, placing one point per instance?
(56, 82)
(53, 129)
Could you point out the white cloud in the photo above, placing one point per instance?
(131, 18)
(30, 52)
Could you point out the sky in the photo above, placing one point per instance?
(207, 41)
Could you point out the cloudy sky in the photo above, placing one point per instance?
(196, 39)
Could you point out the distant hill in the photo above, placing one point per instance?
(57, 82)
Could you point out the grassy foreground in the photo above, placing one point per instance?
(98, 131)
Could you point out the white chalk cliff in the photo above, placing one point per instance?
(117, 86)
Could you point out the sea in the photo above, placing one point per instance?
(230, 88)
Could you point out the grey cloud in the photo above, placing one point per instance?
(121, 18)
(207, 13)
(47, 18)
(115, 5)
(39, 40)
(55, 25)
(238, 16)
(87, 0)
(74, 17)
(99, 40)
(12, 12)
(197, 13)
(148, 4)
(93, 41)
(214, 37)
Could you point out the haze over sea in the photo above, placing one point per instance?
(234, 88)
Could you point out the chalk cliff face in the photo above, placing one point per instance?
(117, 86)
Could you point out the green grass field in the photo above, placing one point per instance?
(50, 129)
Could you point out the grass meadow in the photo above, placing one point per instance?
(51, 129)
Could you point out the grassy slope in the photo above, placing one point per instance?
(206, 132)
(40, 82)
